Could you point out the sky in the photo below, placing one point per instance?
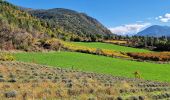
(120, 16)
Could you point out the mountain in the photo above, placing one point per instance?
(155, 31)
(34, 30)
(72, 22)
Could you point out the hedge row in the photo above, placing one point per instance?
(161, 56)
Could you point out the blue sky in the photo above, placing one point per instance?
(128, 16)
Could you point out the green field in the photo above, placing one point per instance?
(109, 46)
(99, 64)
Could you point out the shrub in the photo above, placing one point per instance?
(99, 51)
(52, 44)
(2, 80)
(13, 80)
(161, 56)
(6, 57)
(11, 94)
(137, 74)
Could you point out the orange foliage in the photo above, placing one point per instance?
(155, 56)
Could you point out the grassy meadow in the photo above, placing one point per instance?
(99, 64)
(109, 46)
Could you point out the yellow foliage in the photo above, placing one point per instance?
(89, 50)
(6, 57)
(49, 41)
(116, 41)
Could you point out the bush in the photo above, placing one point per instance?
(52, 44)
(99, 51)
(11, 94)
(6, 57)
(161, 56)
(137, 74)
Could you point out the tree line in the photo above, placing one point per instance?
(151, 43)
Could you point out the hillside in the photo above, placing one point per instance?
(99, 64)
(23, 31)
(75, 23)
(18, 29)
(108, 46)
(155, 31)
(62, 54)
(32, 81)
(12, 17)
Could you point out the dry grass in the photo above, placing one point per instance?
(116, 41)
(37, 82)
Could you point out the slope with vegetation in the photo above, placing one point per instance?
(31, 81)
(109, 47)
(18, 29)
(45, 30)
(99, 64)
(92, 50)
(80, 26)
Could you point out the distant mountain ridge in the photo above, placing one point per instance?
(155, 31)
(72, 22)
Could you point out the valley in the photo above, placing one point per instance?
(63, 54)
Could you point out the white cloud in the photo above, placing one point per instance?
(129, 29)
(139, 21)
(164, 19)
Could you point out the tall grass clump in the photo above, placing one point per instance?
(6, 57)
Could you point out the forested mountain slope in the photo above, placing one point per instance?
(72, 22)
(22, 30)
(18, 29)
